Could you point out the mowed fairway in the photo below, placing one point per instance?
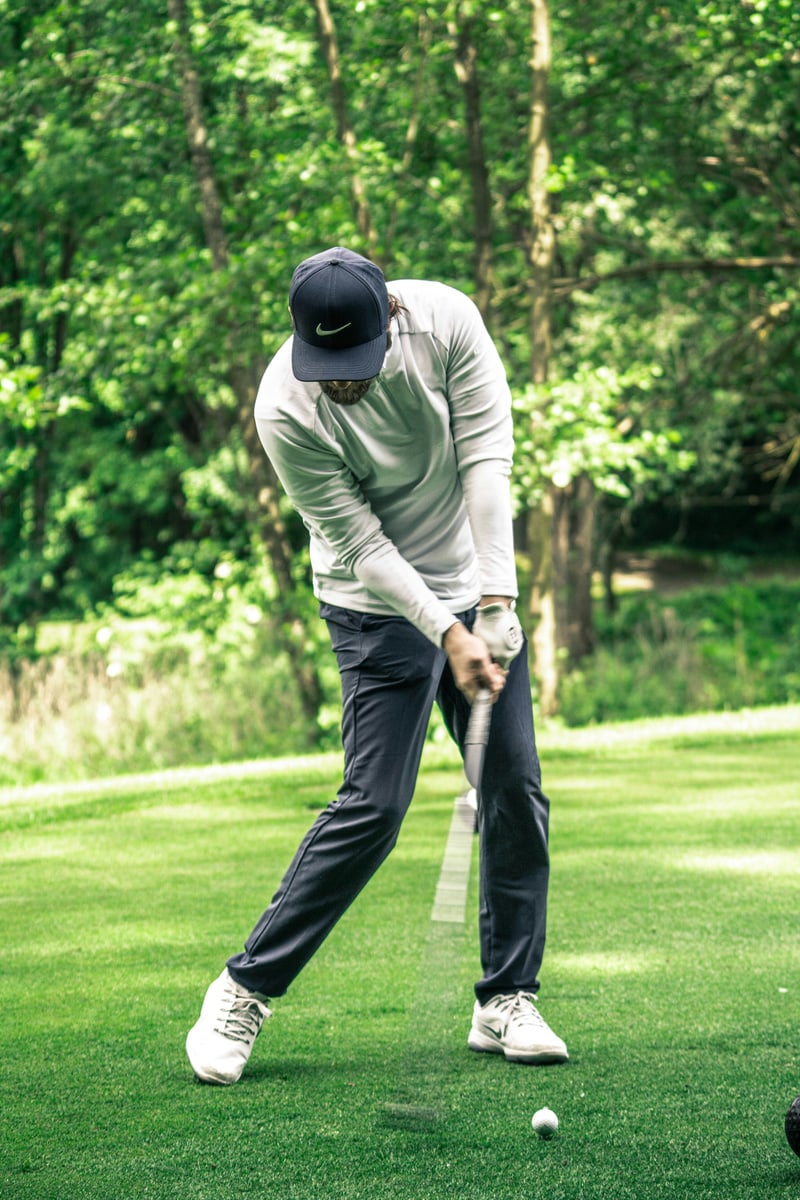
(673, 973)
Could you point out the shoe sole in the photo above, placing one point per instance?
(211, 1081)
(482, 1043)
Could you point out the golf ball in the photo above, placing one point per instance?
(545, 1122)
(792, 1125)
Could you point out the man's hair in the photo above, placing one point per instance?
(395, 307)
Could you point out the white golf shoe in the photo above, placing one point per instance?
(512, 1025)
(219, 1045)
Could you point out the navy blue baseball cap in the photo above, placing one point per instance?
(340, 312)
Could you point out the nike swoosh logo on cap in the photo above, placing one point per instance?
(327, 332)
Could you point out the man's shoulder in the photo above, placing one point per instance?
(431, 306)
(280, 394)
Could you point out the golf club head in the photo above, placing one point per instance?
(792, 1125)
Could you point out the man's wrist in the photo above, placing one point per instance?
(451, 634)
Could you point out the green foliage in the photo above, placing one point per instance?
(675, 117)
(704, 649)
(594, 423)
(188, 668)
(672, 131)
(181, 669)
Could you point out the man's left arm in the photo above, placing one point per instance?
(488, 501)
(482, 428)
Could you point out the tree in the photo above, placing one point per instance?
(635, 258)
(460, 27)
(543, 525)
(264, 512)
(688, 215)
(344, 129)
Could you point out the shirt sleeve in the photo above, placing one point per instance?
(488, 499)
(477, 389)
(483, 432)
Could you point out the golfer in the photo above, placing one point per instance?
(387, 417)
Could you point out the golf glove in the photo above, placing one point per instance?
(500, 629)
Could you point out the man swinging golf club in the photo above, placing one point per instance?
(387, 417)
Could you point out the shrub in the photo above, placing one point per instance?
(183, 671)
(705, 649)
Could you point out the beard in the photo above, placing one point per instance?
(349, 393)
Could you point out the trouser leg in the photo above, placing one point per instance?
(389, 673)
(513, 816)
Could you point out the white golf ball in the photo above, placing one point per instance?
(545, 1122)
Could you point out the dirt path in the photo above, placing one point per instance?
(667, 574)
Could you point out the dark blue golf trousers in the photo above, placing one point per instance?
(391, 674)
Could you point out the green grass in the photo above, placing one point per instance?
(672, 971)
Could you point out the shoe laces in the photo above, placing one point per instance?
(240, 1017)
(519, 1007)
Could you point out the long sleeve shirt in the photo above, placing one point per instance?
(405, 494)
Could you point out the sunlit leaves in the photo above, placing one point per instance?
(592, 424)
(673, 131)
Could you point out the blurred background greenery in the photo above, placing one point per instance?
(616, 185)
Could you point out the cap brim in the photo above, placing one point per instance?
(311, 364)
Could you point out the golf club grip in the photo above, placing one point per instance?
(478, 727)
(477, 736)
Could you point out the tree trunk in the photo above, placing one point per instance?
(330, 52)
(573, 538)
(422, 50)
(192, 100)
(542, 536)
(561, 534)
(542, 609)
(466, 68)
(264, 511)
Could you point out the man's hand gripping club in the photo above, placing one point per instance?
(481, 659)
(480, 662)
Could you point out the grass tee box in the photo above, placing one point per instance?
(672, 970)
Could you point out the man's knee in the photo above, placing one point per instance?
(371, 817)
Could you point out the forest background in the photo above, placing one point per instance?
(615, 184)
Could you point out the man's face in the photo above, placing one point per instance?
(347, 391)
(343, 391)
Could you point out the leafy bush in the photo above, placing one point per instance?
(183, 670)
(705, 649)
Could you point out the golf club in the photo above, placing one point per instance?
(477, 736)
